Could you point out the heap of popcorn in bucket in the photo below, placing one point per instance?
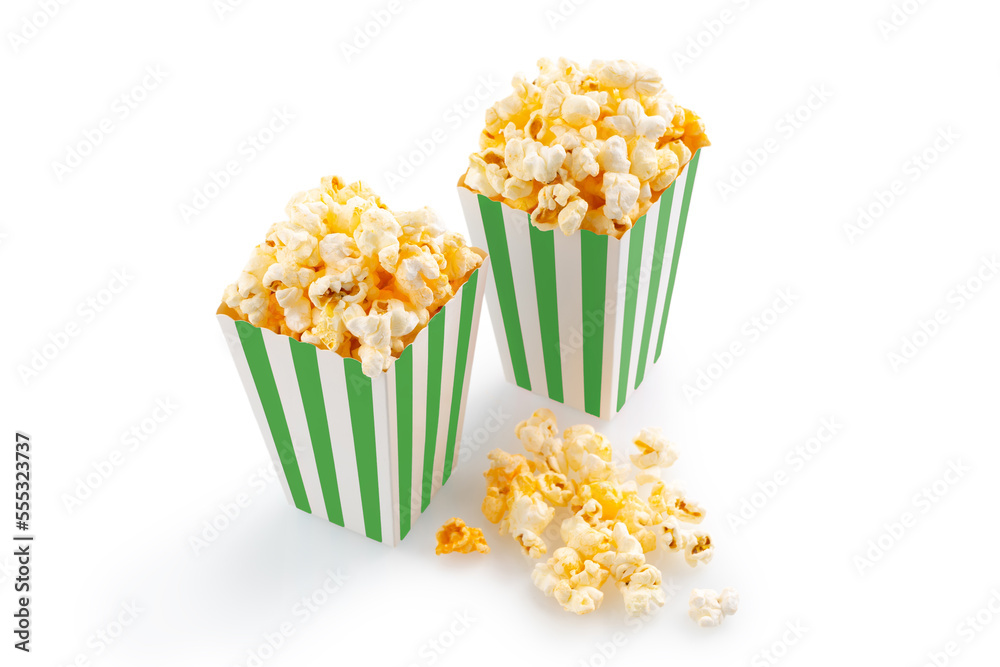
(347, 274)
(584, 148)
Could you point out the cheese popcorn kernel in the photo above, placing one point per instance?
(345, 273)
(584, 147)
(456, 537)
(610, 527)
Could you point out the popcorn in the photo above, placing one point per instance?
(573, 581)
(608, 133)
(655, 453)
(707, 608)
(455, 537)
(609, 527)
(344, 273)
(527, 517)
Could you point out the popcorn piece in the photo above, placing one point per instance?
(642, 590)
(526, 520)
(670, 498)
(456, 537)
(574, 127)
(655, 453)
(697, 548)
(573, 581)
(707, 608)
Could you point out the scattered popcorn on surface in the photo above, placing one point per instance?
(610, 528)
(456, 537)
(584, 148)
(707, 608)
(345, 273)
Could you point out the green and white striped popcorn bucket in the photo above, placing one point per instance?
(367, 454)
(581, 319)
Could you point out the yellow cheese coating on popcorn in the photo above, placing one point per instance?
(584, 147)
(456, 537)
(609, 526)
(345, 273)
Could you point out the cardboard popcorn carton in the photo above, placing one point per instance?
(367, 454)
(581, 318)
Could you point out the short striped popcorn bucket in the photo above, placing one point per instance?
(580, 319)
(367, 454)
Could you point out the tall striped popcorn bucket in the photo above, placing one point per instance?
(366, 454)
(581, 319)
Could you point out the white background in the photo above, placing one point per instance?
(887, 95)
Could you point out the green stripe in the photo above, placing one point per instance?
(267, 390)
(307, 373)
(692, 168)
(461, 362)
(543, 256)
(435, 357)
(662, 226)
(404, 435)
(496, 241)
(359, 397)
(594, 263)
(636, 238)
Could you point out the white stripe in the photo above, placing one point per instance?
(477, 232)
(642, 295)
(614, 294)
(452, 314)
(393, 421)
(334, 383)
(283, 370)
(473, 334)
(419, 346)
(242, 367)
(517, 224)
(383, 443)
(570, 303)
(668, 258)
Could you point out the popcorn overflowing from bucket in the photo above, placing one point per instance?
(584, 148)
(345, 273)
